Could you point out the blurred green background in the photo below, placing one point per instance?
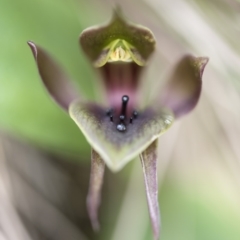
(199, 158)
(26, 109)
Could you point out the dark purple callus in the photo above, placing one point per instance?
(121, 117)
(125, 100)
(131, 120)
(111, 118)
(121, 127)
(123, 121)
(135, 114)
(109, 113)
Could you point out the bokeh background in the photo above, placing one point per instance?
(45, 160)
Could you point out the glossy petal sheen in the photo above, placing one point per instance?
(183, 89)
(94, 40)
(117, 148)
(149, 164)
(95, 186)
(55, 80)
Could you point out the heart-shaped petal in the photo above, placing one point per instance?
(100, 42)
(183, 88)
(55, 80)
(118, 148)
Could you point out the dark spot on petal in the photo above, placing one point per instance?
(125, 99)
(124, 120)
(121, 127)
(109, 111)
(135, 114)
(131, 120)
(121, 117)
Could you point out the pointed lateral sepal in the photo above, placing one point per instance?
(95, 186)
(55, 80)
(98, 42)
(183, 88)
(149, 165)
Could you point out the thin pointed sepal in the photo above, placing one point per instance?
(60, 87)
(149, 165)
(95, 186)
(183, 88)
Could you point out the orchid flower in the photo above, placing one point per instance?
(121, 128)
